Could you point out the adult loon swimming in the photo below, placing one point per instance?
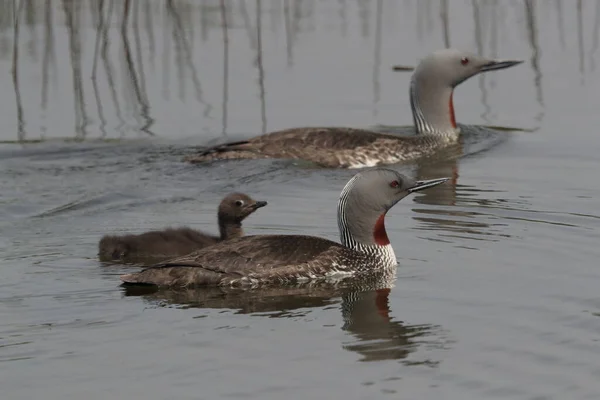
(287, 259)
(174, 242)
(431, 88)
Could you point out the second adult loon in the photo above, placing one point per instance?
(431, 89)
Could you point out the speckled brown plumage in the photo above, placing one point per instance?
(252, 260)
(328, 147)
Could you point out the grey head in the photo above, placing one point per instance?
(435, 78)
(451, 67)
(366, 199)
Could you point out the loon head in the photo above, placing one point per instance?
(451, 67)
(234, 208)
(434, 80)
(237, 206)
(366, 199)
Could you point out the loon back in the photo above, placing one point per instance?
(328, 147)
(251, 260)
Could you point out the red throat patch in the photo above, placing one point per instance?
(379, 233)
(451, 109)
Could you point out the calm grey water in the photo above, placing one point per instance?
(496, 294)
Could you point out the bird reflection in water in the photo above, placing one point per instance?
(376, 335)
(365, 310)
(466, 209)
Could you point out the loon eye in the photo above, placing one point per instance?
(394, 184)
(239, 203)
(464, 60)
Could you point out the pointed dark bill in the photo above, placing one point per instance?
(420, 185)
(260, 204)
(494, 65)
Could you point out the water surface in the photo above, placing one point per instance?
(496, 293)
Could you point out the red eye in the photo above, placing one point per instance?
(394, 184)
(464, 61)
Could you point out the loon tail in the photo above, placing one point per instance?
(220, 148)
(227, 151)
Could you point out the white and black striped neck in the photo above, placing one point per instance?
(433, 109)
(384, 254)
(363, 230)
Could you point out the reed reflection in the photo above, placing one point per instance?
(259, 65)
(477, 21)
(223, 10)
(532, 30)
(595, 37)
(580, 44)
(138, 45)
(72, 11)
(98, 15)
(49, 57)
(15, 72)
(377, 57)
(185, 56)
(445, 22)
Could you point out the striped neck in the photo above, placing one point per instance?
(362, 230)
(433, 109)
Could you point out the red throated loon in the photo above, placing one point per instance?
(175, 242)
(281, 259)
(431, 88)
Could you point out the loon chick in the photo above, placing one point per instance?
(287, 259)
(431, 88)
(175, 242)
